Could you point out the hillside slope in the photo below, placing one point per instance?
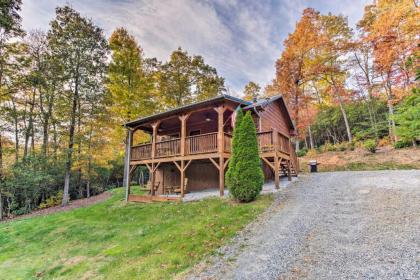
(360, 159)
(112, 240)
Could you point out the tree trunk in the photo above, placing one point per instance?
(1, 204)
(1, 176)
(89, 160)
(15, 119)
(391, 121)
(45, 128)
(346, 122)
(311, 140)
(79, 150)
(69, 161)
(55, 139)
(29, 131)
(1, 155)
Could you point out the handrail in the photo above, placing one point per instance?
(169, 140)
(202, 143)
(141, 145)
(202, 134)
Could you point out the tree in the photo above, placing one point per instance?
(9, 17)
(9, 26)
(185, 79)
(246, 176)
(130, 85)
(80, 48)
(407, 118)
(230, 178)
(294, 68)
(252, 91)
(336, 37)
(391, 28)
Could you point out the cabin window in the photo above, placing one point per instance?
(173, 136)
(195, 132)
(169, 137)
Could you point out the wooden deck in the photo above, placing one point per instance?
(207, 146)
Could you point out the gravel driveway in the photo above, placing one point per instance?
(342, 225)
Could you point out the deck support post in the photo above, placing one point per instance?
(289, 171)
(276, 147)
(182, 171)
(126, 179)
(152, 179)
(220, 147)
(183, 119)
(276, 171)
(155, 126)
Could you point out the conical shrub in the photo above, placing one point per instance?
(245, 173)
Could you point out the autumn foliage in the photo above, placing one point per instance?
(325, 63)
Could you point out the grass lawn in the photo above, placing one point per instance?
(112, 240)
(363, 166)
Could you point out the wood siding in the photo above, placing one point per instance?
(274, 117)
(168, 175)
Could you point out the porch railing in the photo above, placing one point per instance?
(270, 140)
(227, 143)
(203, 143)
(168, 148)
(207, 143)
(140, 152)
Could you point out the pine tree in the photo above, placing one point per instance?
(245, 174)
(235, 139)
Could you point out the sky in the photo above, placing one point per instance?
(242, 39)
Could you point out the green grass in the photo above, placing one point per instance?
(361, 166)
(114, 240)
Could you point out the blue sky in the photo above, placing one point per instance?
(242, 39)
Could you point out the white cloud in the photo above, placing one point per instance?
(242, 40)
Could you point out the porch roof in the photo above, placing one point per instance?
(217, 99)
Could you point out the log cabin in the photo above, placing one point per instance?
(190, 146)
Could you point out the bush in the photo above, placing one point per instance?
(402, 144)
(384, 142)
(52, 201)
(407, 117)
(352, 145)
(370, 145)
(245, 176)
(342, 146)
(302, 152)
(328, 147)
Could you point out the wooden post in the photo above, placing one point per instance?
(154, 138)
(152, 179)
(220, 145)
(183, 120)
(276, 171)
(289, 172)
(128, 144)
(182, 171)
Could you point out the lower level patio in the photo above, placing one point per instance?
(268, 187)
